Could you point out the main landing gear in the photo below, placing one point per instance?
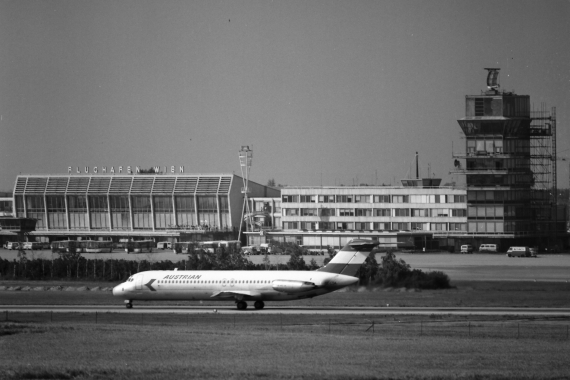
(242, 305)
(128, 304)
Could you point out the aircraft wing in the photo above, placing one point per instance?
(234, 293)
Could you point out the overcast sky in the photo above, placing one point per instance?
(327, 92)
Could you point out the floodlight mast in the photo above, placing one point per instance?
(245, 157)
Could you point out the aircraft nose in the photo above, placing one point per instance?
(118, 290)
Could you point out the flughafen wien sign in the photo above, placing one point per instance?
(121, 169)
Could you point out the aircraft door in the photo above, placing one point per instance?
(138, 282)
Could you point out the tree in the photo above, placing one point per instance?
(369, 270)
(296, 260)
(392, 271)
(331, 252)
(271, 182)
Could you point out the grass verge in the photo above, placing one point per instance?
(208, 351)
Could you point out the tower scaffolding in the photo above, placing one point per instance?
(543, 155)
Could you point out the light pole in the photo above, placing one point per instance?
(245, 156)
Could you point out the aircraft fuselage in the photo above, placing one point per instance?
(224, 285)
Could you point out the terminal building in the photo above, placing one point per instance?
(162, 207)
(418, 214)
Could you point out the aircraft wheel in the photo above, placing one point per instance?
(129, 305)
(259, 305)
(242, 305)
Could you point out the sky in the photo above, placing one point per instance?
(324, 92)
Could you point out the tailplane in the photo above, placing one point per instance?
(350, 258)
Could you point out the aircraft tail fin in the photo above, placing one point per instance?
(350, 258)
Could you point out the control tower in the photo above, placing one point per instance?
(509, 151)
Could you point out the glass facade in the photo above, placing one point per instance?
(99, 212)
(120, 212)
(77, 206)
(57, 218)
(185, 211)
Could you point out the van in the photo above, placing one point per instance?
(488, 248)
(467, 248)
(518, 252)
(164, 245)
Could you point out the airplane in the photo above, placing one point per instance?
(242, 286)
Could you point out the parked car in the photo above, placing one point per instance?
(11, 245)
(518, 252)
(467, 248)
(488, 248)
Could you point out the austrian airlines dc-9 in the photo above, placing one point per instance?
(242, 286)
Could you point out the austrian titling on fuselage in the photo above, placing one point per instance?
(242, 286)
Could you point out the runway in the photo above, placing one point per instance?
(230, 309)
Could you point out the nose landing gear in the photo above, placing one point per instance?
(128, 304)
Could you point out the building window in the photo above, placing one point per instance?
(439, 226)
(401, 226)
(163, 212)
(344, 226)
(327, 212)
(290, 198)
(362, 226)
(381, 199)
(458, 212)
(363, 212)
(382, 212)
(326, 226)
(308, 198)
(19, 206)
(290, 211)
(457, 226)
(401, 212)
(381, 226)
(439, 212)
(362, 199)
(77, 206)
(400, 198)
(346, 212)
(290, 225)
(420, 226)
(56, 212)
(99, 212)
(326, 198)
(185, 211)
(308, 212)
(344, 199)
(308, 225)
(226, 220)
(207, 211)
(141, 212)
(120, 212)
(419, 212)
(457, 199)
(36, 209)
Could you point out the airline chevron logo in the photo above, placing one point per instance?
(149, 285)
